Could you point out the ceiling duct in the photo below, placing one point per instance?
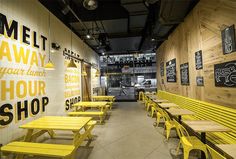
(173, 11)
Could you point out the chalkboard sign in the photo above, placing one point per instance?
(171, 70)
(198, 60)
(228, 40)
(184, 74)
(225, 74)
(199, 81)
(162, 69)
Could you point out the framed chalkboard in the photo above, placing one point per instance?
(171, 70)
(225, 74)
(200, 81)
(198, 60)
(162, 69)
(184, 74)
(228, 40)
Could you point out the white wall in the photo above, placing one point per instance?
(35, 16)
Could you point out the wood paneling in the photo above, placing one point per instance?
(201, 30)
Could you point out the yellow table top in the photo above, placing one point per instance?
(175, 111)
(90, 104)
(206, 126)
(95, 97)
(161, 101)
(228, 148)
(57, 123)
(168, 105)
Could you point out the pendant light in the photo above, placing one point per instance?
(72, 63)
(97, 74)
(84, 73)
(49, 65)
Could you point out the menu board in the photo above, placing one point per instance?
(184, 74)
(171, 70)
(198, 60)
(228, 40)
(199, 81)
(225, 74)
(162, 69)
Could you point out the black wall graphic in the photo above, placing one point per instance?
(162, 69)
(228, 40)
(198, 60)
(200, 81)
(225, 74)
(184, 74)
(171, 70)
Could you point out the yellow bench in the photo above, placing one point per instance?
(39, 149)
(101, 115)
(207, 111)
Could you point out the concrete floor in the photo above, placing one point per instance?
(127, 134)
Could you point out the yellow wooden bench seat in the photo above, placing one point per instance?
(207, 111)
(101, 115)
(39, 149)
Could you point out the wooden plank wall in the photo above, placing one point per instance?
(201, 30)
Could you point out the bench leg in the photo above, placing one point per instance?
(101, 119)
(51, 133)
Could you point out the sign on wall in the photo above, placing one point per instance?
(72, 83)
(198, 60)
(200, 81)
(225, 74)
(228, 40)
(171, 70)
(184, 74)
(162, 68)
(22, 75)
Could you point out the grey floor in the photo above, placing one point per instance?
(127, 134)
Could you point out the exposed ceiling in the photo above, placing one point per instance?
(122, 26)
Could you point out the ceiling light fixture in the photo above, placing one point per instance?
(49, 65)
(153, 39)
(97, 74)
(103, 53)
(90, 4)
(84, 73)
(88, 36)
(71, 63)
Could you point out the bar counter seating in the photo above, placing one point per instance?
(214, 125)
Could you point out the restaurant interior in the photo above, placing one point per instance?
(117, 79)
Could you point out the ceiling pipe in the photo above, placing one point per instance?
(67, 7)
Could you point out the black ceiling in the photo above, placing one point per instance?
(121, 26)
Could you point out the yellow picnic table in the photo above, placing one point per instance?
(49, 124)
(103, 98)
(110, 99)
(83, 105)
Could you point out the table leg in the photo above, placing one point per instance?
(86, 128)
(28, 135)
(180, 118)
(203, 139)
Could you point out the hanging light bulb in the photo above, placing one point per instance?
(49, 65)
(97, 74)
(71, 64)
(84, 73)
